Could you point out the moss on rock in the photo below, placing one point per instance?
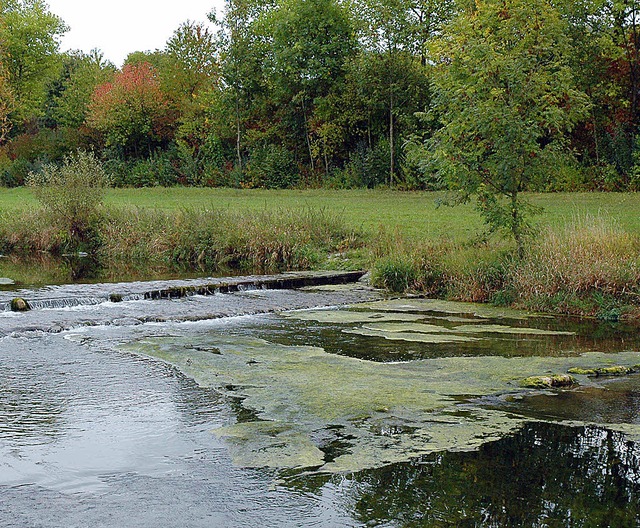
(548, 382)
(617, 370)
(19, 305)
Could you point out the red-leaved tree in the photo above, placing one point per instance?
(132, 112)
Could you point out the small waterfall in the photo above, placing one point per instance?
(90, 295)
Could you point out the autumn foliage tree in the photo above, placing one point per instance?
(132, 112)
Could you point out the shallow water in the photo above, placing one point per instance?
(297, 418)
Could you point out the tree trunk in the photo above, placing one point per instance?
(238, 132)
(516, 224)
(391, 141)
(307, 134)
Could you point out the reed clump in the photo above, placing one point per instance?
(591, 266)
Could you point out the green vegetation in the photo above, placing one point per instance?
(506, 96)
(71, 196)
(578, 263)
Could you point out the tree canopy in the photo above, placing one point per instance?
(489, 97)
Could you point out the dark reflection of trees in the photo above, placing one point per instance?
(546, 475)
(591, 336)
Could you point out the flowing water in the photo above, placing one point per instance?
(319, 406)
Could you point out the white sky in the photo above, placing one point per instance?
(118, 27)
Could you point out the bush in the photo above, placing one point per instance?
(272, 167)
(397, 274)
(71, 195)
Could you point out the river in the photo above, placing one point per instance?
(316, 406)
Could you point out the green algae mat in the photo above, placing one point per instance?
(315, 401)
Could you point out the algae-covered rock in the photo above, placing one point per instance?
(614, 371)
(582, 371)
(617, 370)
(502, 329)
(548, 382)
(20, 305)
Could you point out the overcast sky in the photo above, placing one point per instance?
(118, 27)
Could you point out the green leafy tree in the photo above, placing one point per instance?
(7, 103)
(312, 40)
(29, 35)
(72, 93)
(394, 32)
(506, 97)
(193, 51)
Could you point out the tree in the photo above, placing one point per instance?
(29, 50)
(244, 52)
(506, 98)
(132, 111)
(193, 52)
(393, 32)
(7, 103)
(312, 40)
(72, 92)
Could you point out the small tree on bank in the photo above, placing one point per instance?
(506, 98)
(72, 195)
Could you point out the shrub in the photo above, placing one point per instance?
(273, 167)
(397, 273)
(71, 195)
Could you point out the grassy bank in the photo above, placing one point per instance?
(583, 258)
(590, 266)
(203, 239)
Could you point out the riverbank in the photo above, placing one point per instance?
(582, 258)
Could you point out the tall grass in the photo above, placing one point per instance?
(588, 267)
(217, 239)
(209, 240)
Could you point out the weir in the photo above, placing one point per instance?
(69, 296)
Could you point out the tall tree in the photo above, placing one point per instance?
(71, 93)
(29, 42)
(132, 111)
(193, 51)
(507, 97)
(392, 31)
(244, 51)
(312, 40)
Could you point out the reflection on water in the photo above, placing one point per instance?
(586, 336)
(44, 269)
(616, 402)
(545, 475)
(93, 436)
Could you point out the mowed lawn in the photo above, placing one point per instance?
(413, 214)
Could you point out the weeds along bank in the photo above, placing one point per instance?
(209, 240)
(72, 218)
(587, 267)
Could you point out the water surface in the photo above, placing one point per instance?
(163, 413)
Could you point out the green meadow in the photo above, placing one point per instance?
(416, 215)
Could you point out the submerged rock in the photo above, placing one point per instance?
(548, 382)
